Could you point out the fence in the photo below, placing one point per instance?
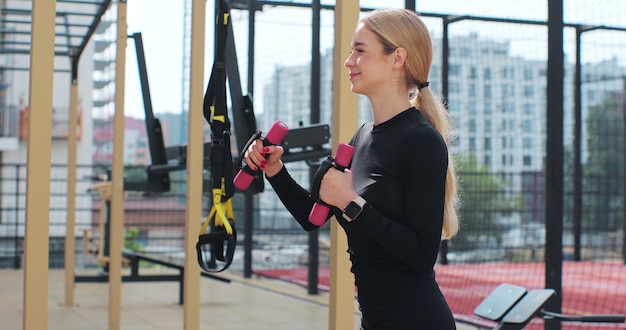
(499, 242)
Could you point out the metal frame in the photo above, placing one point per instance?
(76, 22)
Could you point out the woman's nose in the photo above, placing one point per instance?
(348, 62)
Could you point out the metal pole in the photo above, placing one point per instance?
(445, 51)
(313, 267)
(17, 261)
(554, 160)
(578, 171)
(248, 196)
(624, 192)
(410, 4)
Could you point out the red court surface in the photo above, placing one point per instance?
(589, 287)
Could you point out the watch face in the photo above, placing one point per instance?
(352, 210)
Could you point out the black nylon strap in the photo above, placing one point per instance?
(252, 138)
(215, 112)
(211, 246)
(317, 178)
(319, 175)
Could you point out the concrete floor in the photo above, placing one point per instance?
(256, 303)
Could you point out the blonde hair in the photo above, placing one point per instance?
(403, 28)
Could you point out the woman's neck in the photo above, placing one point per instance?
(386, 108)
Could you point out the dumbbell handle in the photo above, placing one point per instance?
(274, 136)
(319, 212)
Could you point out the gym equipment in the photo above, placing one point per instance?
(513, 307)
(342, 159)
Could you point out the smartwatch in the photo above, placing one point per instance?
(354, 208)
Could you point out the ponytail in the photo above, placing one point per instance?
(433, 110)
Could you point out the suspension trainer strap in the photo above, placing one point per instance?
(222, 231)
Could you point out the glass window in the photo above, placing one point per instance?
(472, 73)
(454, 87)
(528, 108)
(527, 160)
(472, 108)
(472, 90)
(528, 91)
(454, 70)
(527, 143)
(488, 108)
(527, 125)
(528, 74)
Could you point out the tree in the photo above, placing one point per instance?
(603, 186)
(483, 201)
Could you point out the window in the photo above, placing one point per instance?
(527, 143)
(505, 91)
(487, 143)
(472, 108)
(453, 105)
(454, 87)
(472, 73)
(507, 160)
(472, 144)
(454, 70)
(488, 108)
(527, 160)
(487, 91)
(528, 91)
(528, 74)
(487, 74)
(508, 107)
(528, 109)
(472, 126)
(487, 125)
(527, 126)
(472, 90)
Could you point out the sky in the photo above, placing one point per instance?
(161, 25)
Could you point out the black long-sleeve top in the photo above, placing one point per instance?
(399, 167)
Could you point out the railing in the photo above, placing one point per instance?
(498, 242)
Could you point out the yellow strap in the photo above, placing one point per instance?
(220, 118)
(221, 212)
(205, 226)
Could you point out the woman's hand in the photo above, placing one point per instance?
(265, 158)
(336, 188)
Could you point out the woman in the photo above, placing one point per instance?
(398, 200)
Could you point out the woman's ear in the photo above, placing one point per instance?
(399, 56)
